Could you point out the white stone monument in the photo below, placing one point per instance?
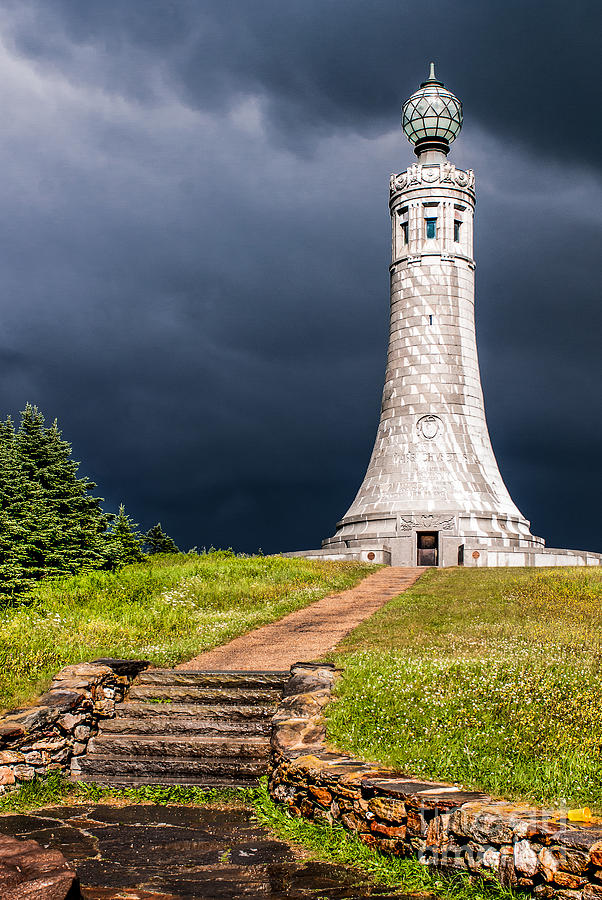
(433, 493)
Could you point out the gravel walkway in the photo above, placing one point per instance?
(307, 633)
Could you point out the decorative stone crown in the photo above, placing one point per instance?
(442, 173)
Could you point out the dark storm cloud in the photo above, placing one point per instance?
(526, 70)
(194, 247)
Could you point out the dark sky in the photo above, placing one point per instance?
(195, 243)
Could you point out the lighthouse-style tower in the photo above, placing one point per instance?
(433, 484)
(433, 493)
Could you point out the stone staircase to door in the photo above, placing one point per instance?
(209, 729)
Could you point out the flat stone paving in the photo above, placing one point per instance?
(308, 633)
(178, 853)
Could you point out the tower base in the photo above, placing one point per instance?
(452, 551)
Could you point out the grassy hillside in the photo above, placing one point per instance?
(166, 609)
(491, 678)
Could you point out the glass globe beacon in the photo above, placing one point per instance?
(432, 116)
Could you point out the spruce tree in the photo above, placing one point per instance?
(78, 524)
(124, 541)
(49, 522)
(156, 541)
(15, 519)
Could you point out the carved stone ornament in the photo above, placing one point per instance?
(443, 173)
(429, 427)
(407, 523)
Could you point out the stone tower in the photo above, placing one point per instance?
(433, 481)
(433, 493)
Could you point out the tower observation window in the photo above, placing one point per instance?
(457, 230)
(404, 232)
(431, 228)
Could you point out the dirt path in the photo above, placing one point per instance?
(307, 633)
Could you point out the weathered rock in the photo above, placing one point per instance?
(125, 668)
(506, 870)
(416, 823)
(491, 858)
(390, 831)
(549, 863)
(81, 732)
(50, 745)
(308, 677)
(29, 872)
(307, 809)
(69, 721)
(31, 720)
(595, 853)
(14, 757)
(322, 795)
(62, 700)
(482, 824)
(298, 734)
(525, 858)
(582, 839)
(33, 758)
(388, 809)
(567, 880)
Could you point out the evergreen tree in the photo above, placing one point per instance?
(78, 540)
(156, 541)
(49, 523)
(124, 541)
(15, 519)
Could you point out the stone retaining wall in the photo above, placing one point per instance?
(441, 824)
(43, 738)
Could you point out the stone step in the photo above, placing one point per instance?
(190, 746)
(214, 696)
(151, 767)
(177, 724)
(205, 712)
(194, 678)
(128, 781)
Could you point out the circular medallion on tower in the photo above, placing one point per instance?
(432, 117)
(429, 427)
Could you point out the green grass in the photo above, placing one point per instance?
(167, 609)
(55, 789)
(488, 678)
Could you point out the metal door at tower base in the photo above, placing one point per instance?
(428, 548)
